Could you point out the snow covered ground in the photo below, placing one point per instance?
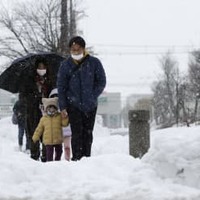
(169, 171)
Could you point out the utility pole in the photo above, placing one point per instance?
(64, 28)
(72, 19)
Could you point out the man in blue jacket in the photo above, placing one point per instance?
(81, 79)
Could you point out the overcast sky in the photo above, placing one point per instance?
(143, 22)
(131, 35)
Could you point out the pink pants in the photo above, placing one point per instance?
(67, 147)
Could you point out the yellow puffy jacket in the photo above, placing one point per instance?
(51, 129)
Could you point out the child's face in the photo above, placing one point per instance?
(51, 110)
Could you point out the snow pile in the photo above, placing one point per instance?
(169, 171)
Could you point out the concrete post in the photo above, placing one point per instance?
(139, 132)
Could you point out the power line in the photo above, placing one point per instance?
(120, 49)
(141, 53)
(144, 45)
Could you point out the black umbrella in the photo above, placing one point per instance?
(11, 78)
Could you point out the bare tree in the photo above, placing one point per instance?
(159, 102)
(166, 100)
(194, 77)
(44, 28)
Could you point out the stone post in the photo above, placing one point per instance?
(139, 132)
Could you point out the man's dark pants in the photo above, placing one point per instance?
(82, 124)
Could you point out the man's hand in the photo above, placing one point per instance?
(64, 113)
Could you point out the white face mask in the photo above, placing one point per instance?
(77, 57)
(41, 72)
(51, 111)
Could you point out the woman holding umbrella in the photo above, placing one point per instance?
(36, 84)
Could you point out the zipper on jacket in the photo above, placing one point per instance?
(80, 75)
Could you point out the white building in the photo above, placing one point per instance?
(109, 107)
(7, 101)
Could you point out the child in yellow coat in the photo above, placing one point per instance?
(66, 132)
(50, 127)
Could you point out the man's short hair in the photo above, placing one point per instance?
(77, 40)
